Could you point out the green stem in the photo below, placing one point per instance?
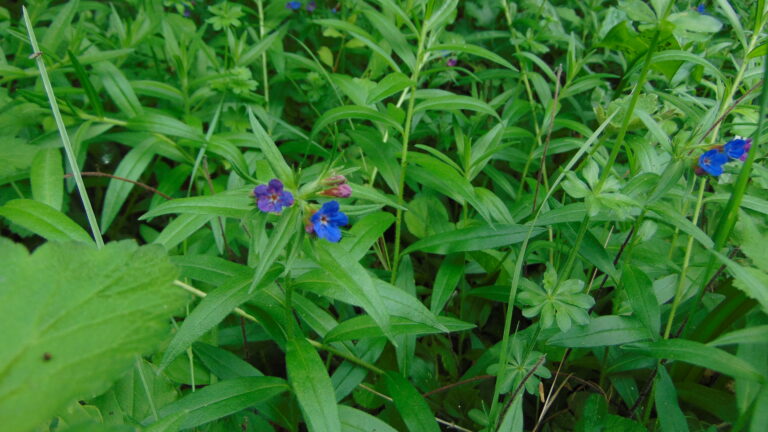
(71, 157)
(686, 261)
(404, 153)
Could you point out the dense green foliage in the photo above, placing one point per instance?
(549, 220)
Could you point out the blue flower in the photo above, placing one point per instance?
(738, 148)
(293, 5)
(327, 220)
(712, 161)
(272, 198)
(701, 9)
(311, 6)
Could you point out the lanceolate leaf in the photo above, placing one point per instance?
(210, 311)
(701, 355)
(354, 278)
(312, 386)
(412, 407)
(131, 167)
(235, 204)
(44, 220)
(473, 239)
(47, 177)
(223, 398)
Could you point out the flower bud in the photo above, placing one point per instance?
(335, 180)
(340, 191)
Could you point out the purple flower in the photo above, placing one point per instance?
(738, 148)
(452, 62)
(311, 6)
(712, 162)
(327, 220)
(293, 5)
(272, 198)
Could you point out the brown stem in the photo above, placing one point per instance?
(140, 184)
(521, 385)
(728, 111)
(456, 384)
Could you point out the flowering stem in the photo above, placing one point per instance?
(614, 152)
(404, 153)
(731, 211)
(686, 260)
(264, 75)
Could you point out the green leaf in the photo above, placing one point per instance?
(222, 399)
(354, 420)
(234, 204)
(396, 38)
(664, 213)
(473, 239)
(354, 112)
(700, 355)
(360, 35)
(44, 221)
(312, 386)
(85, 81)
(162, 124)
(210, 311)
(270, 150)
(455, 102)
(119, 88)
(222, 363)
(412, 407)
(180, 229)
(363, 327)
(76, 318)
(668, 410)
(354, 278)
(448, 277)
(603, 331)
(390, 85)
(131, 167)
(639, 290)
(284, 231)
(47, 177)
(750, 335)
(365, 232)
(474, 50)
(57, 31)
(751, 281)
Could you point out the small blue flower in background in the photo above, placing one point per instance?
(701, 9)
(712, 161)
(311, 6)
(293, 5)
(272, 198)
(738, 148)
(327, 220)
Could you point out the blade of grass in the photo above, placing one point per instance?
(71, 157)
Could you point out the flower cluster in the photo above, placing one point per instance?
(296, 5)
(712, 160)
(325, 222)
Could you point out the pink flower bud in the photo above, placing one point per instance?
(335, 180)
(340, 191)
